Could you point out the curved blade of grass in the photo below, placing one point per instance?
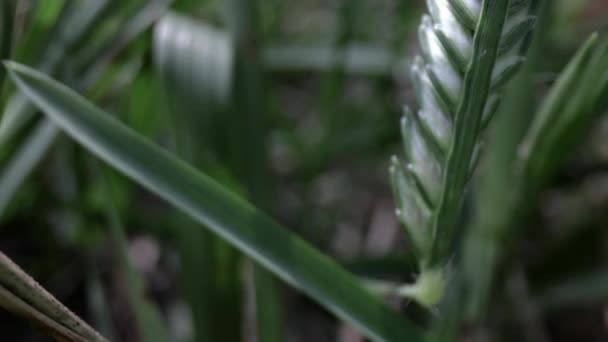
(235, 220)
(72, 26)
(18, 107)
(24, 160)
(132, 26)
(569, 108)
(38, 142)
(516, 176)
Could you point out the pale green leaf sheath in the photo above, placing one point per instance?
(470, 49)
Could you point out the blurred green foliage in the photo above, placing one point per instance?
(295, 106)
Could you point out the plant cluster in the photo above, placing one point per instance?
(459, 199)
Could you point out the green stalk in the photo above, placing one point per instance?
(459, 81)
(24, 160)
(468, 125)
(521, 161)
(210, 268)
(149, 322)
(332, 86)
(251, 150)
(490, 227)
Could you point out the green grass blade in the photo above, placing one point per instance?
(251, 162)
(588, 286)
(196, 75)
(568, 110)
(211, 280)
(232, 218)
(495, 221)
(99, 304)
(20, 165)
(16, 114)
(151, 327)
(131, 26)
(28, 156)
(74, 24)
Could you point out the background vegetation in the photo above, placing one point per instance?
(294, 105)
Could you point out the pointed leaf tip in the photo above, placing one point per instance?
(235, 220)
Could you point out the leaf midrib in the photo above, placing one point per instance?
(291, 258)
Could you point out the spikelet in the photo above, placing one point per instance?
(446, 37)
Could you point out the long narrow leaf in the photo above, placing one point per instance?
(588, 286)
(251, 162)
(568, 111)
(196, 75)
(232, 218)
(79, 19)
(28, 156)
(24, 160)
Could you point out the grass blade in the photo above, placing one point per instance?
(149, 321)
(232, 218)
(251, 162)
(131, 27)
(24, 160)
(39, 141)
(195, 62)
(467, 124)
(77, 21)
(588, 286)
(568, 110)
(22, 295)
(494, 221)
(100, 304)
